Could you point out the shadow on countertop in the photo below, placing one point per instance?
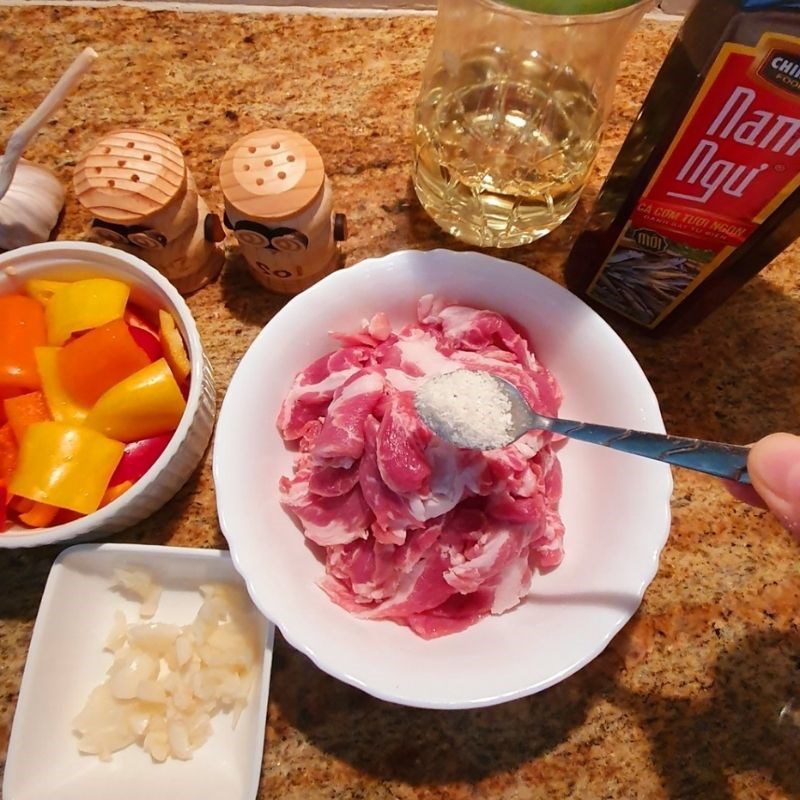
(734, 377)
(244, 297)
(423, 747)
(751, 722)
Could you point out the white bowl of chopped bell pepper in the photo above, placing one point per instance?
(107, 400)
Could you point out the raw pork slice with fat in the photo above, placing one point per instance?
(414, 530)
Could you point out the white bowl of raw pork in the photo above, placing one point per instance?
(614, 507)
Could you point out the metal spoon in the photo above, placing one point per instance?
(714, 458)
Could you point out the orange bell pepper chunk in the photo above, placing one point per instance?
(8, 452)
(5, 394)
(91, 364)
(113, 492)
(24, 410)
(3, 506)
(62, 407)
(40, 516)
(22, 327)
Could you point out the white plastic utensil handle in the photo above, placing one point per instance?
(25, 132)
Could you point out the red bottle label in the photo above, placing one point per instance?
(734, 160)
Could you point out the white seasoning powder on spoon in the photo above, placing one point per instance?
(467, 408)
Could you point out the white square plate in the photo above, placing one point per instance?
(66, 660)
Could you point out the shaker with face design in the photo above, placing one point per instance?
(144, 200)
(278, 204)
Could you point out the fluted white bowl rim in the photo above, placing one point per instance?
(60, 258)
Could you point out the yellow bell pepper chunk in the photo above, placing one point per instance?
(43, 290)
(82, 305)
(174, 348)
(65, 466)
(62, 407)
(147, 403)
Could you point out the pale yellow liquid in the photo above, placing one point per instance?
(503, 147)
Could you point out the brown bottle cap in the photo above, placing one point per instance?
(271, 174)
(129, 175)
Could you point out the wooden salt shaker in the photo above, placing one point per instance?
(278, 204)
(144, 200)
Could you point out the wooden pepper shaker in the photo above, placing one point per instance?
(144, 200)
(278, 203)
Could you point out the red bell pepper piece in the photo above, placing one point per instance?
(139, 317)
(147, 341)
(65, 515)
(138, 457)
(19, 505)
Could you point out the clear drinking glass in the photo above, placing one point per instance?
(511, 111)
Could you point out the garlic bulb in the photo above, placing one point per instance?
(30, 208)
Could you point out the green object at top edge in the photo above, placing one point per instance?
(570, 7)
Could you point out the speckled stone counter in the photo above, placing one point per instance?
(699, 696)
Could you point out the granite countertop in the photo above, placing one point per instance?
(699, 696)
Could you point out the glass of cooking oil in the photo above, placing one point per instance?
(509, 118)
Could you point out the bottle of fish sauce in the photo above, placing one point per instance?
(705, 191)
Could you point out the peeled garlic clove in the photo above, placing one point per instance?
(30, 208)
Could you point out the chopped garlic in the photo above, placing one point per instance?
(152, 692)
(141, 585)
(183, 649)
(178, 738)
(103, 725)
(129, 670)
(118, 633)
(154, 637)
(167, 681)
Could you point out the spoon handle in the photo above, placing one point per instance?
(714, 458)
(55, 98)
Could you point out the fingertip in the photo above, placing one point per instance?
(745, 493)
(774, 468)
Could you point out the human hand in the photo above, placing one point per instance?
(774, 468)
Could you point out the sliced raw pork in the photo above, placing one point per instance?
(413, 529)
